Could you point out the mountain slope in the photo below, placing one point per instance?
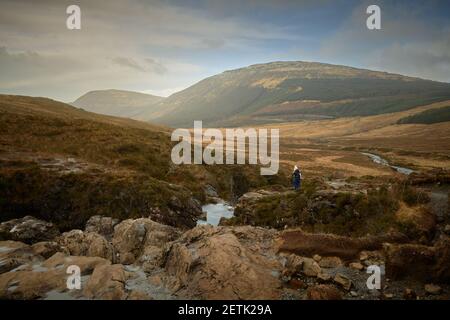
(117, 102)
(286, 91)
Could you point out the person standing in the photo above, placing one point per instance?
(296, 178)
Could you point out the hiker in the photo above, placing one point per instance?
(296, 178)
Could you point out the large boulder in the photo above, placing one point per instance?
(142, 238)
(107, 282)
(28, 229)
(224, 263)
(91, 244)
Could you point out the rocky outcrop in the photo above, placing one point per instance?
(28, 229)
(91, 244)
(224, 263)
(143, 239)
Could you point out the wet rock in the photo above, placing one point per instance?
(323, 292)
(224, 263)
(330, 262)
(102, 225)
(343, 281)
(91, 244)
(142, 238)
(433, 289)
(28, 229)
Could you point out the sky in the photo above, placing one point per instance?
(161, 47)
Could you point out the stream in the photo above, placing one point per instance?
(379, 160)
(215, 211)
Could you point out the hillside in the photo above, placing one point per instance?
(117, 102)
(290, 91)
(64, 165)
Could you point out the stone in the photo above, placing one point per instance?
(104, 226)
(388, 295)
(90, 244)
(107, 282)
(132, 239)
(354, 294)
(46, 249)
(317, 257)
(447, 229)
(433, 289)
(324, 276)
(343, 281)
(28, 229)
(224, 263)
(330, 262)
(310, 267)
(356, 265)
(323, 292)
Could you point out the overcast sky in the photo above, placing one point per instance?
(161, 47)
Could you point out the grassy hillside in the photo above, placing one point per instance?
(287, 91)
(65, 165)
(117, 102)
(428, 116)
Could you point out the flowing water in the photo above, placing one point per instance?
(215, 211)
(379, 160)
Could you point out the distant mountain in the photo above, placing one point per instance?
(120, 103)
(291, 91)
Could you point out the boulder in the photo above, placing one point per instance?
(323, 292)
(46, 249)
(107, 282)
(90, 244)
(142, 238)
(102, 225)
(28, 229)
(224, 263)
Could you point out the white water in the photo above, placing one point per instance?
(377, 159)
(215, 211)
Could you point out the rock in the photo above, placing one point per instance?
(28, 229)
(142, 238)
(293, 265)
(90, 244)
(104, 226)
(38, 279)
(138, 295)
(330, 262)
(324, 276)
(297, 284)
(317, 258)
(343, 281)
(14, 254)
(354, 293)
(433, 289)
(310, 267)
(224, 263)
(46, 249)
(356, 265)
(323, 292)
(210, 191)
(409, 294)
(107, 282)
(388, 295)
(363, 256)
